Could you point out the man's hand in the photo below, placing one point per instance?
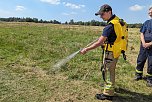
(83, 51)
(147, 45)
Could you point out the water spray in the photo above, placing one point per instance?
(62, 62)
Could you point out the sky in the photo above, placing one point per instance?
(132, 11)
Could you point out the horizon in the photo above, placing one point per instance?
(132, 11)
(60, 21)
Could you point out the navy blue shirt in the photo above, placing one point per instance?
(146, 29)
(109, 31)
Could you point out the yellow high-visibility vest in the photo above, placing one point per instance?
(121, 41)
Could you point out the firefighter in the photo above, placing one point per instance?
(112, 39)
(145, 51)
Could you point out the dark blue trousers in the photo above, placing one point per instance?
(144, 54)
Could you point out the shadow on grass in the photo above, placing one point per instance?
(123, 95)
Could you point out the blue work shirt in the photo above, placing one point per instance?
(109, 31)
(146, 29)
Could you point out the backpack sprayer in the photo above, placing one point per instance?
(62, 62)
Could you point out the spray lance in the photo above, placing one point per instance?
(62, 62)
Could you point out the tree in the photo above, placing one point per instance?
(71, 21)
(40, 21)
(66, 22)
(35, 20)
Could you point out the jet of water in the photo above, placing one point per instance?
(62, 62)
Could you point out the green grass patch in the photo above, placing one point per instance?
(29, 50)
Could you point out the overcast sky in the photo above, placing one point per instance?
(132, 11)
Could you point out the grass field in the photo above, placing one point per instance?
(29, 50)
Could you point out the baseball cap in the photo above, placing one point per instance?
(103, 8)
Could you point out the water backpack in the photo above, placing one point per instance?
(121, 42)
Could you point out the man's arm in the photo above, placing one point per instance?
(98, 43)
(142, 39)
(144, 44)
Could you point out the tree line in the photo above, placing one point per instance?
(28, 19)
(71, 22)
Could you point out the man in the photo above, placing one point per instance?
(113, 47)
(145, 51)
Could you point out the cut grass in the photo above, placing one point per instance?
(29, 50)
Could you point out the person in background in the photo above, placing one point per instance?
(145, 51)
(110, 34)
